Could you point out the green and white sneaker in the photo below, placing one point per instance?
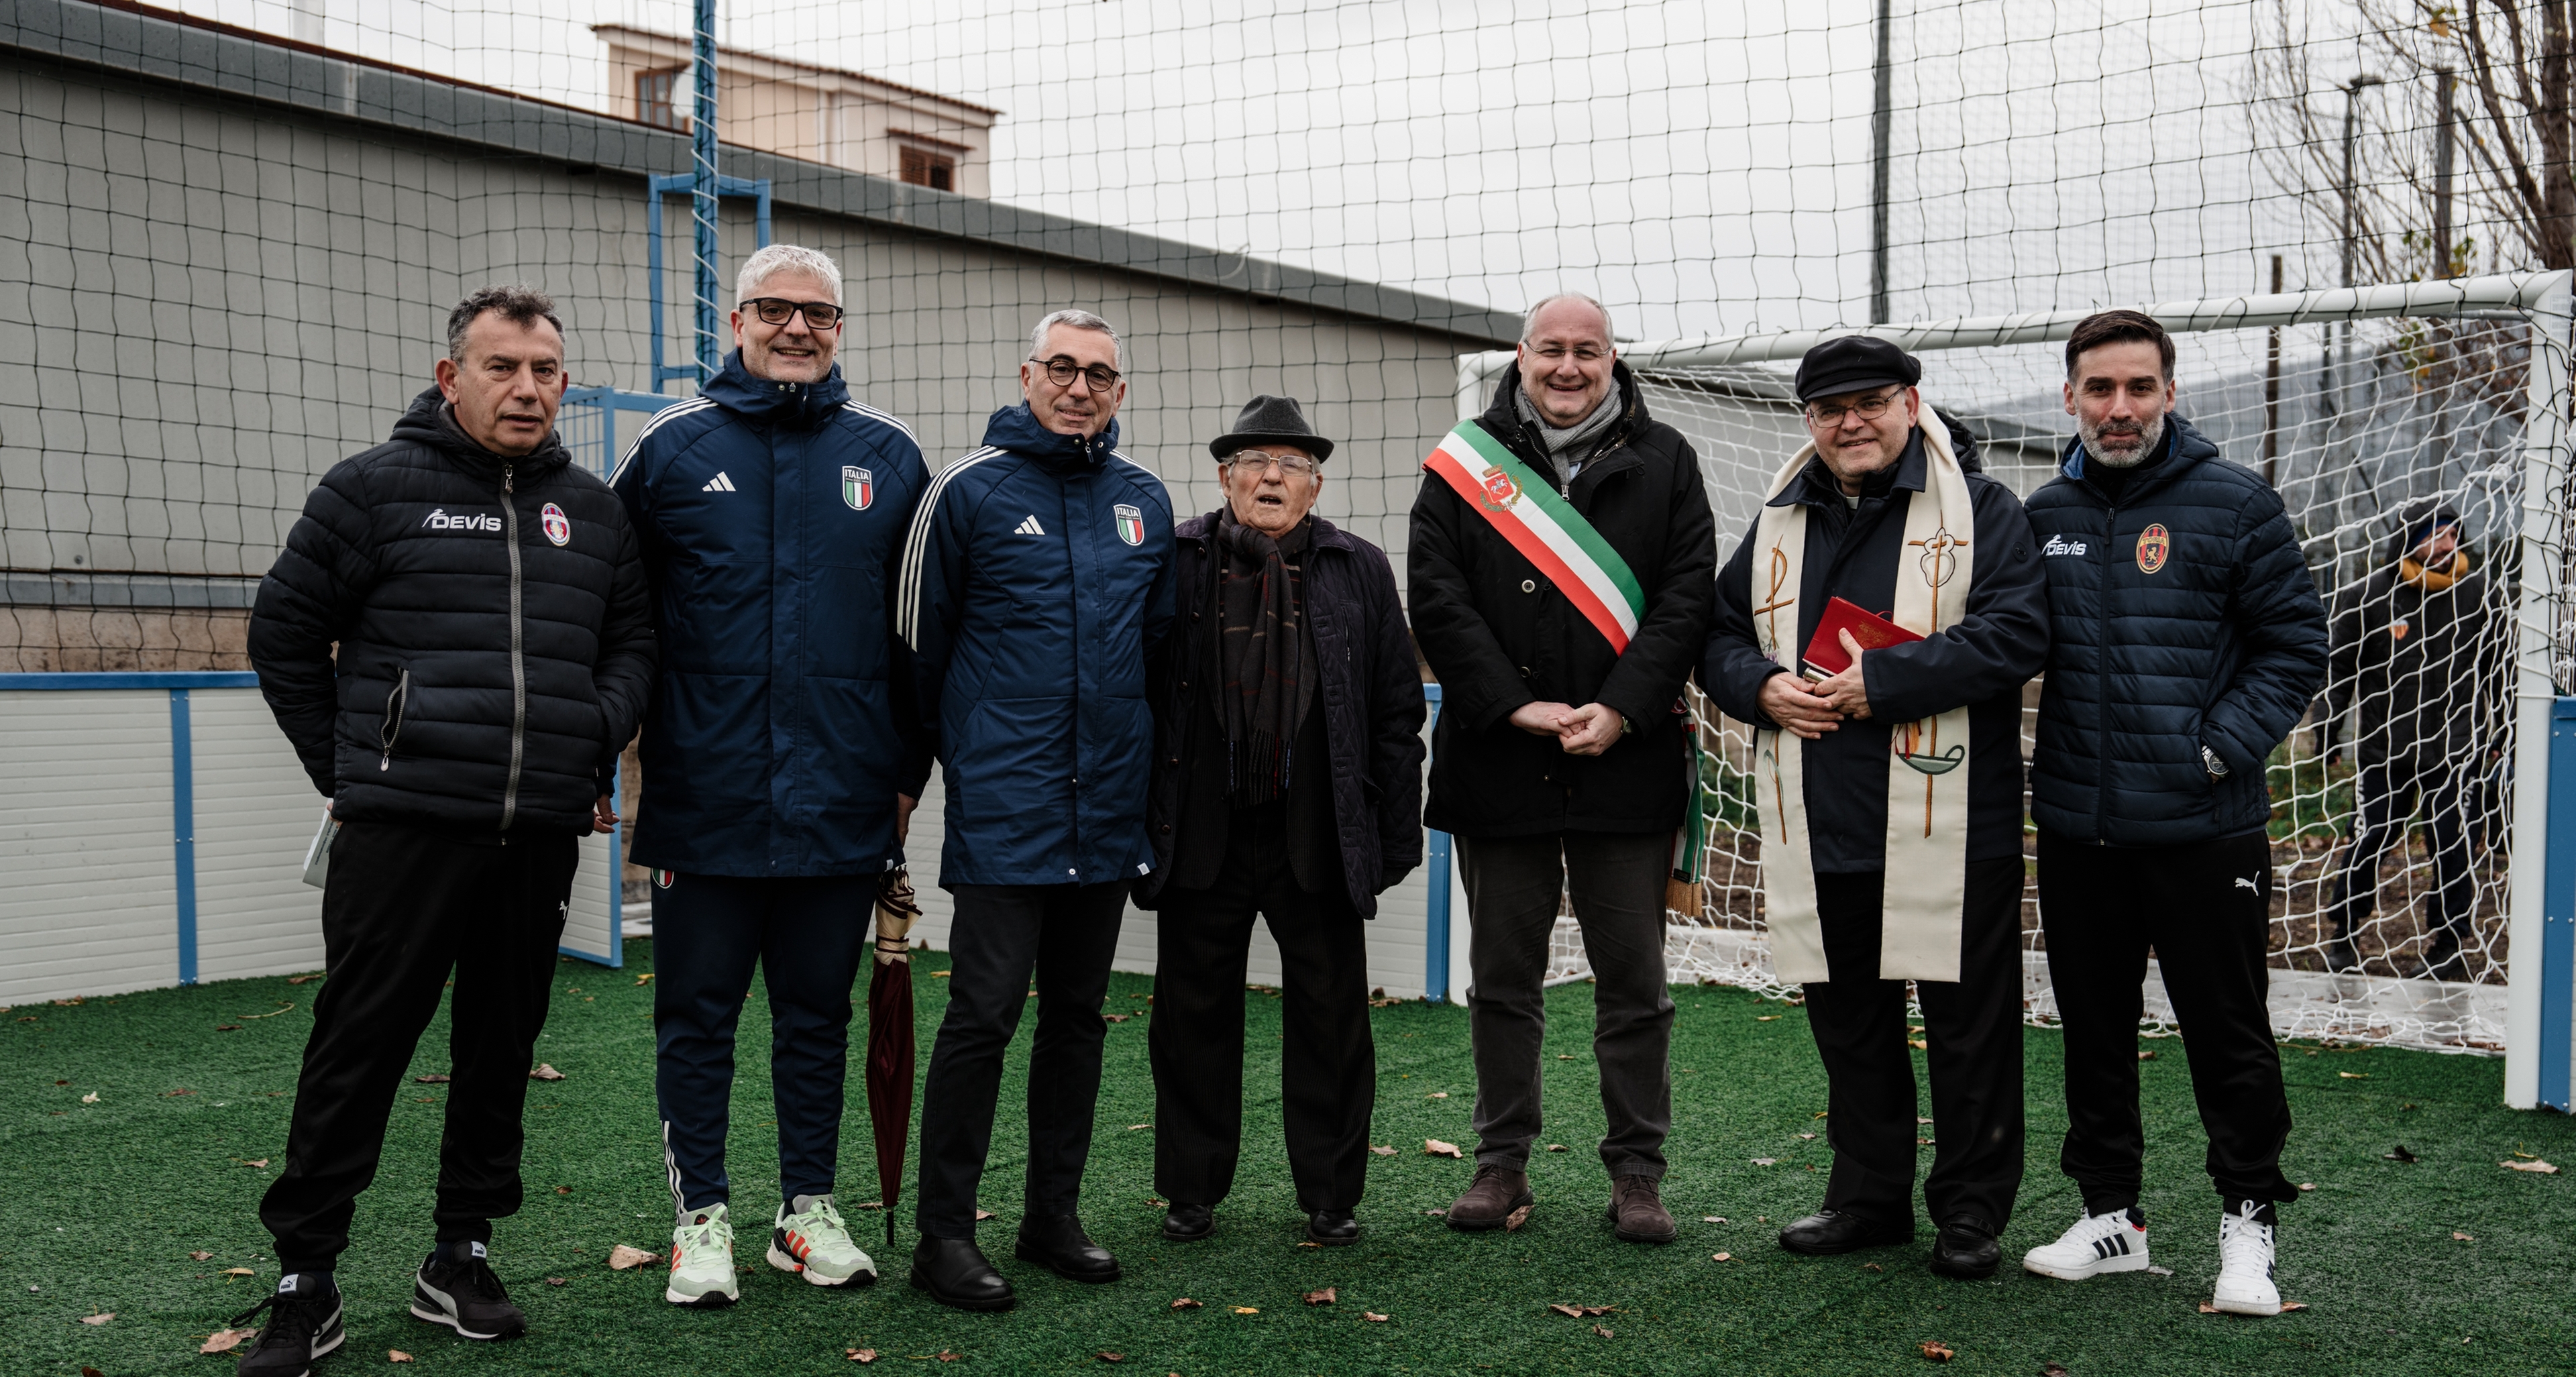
(702, 1261)
(816, 1244)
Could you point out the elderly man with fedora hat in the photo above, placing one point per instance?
(1286, 783)
(1887, 766)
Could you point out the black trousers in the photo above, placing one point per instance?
(1327, 1061)
(808, 935)
(1514, 887)
(2389, 794)
(1972, 1032)
(403, 908)
(2206, 910)
(1066, 935)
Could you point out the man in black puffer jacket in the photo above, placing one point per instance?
(494, 652)
(2186, 639)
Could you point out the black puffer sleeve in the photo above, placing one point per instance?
(309, 599)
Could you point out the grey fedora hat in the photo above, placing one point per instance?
(1271, 418)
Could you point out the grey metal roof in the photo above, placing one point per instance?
(162, 46)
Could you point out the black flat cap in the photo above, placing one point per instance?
(1267, 418)
(1854, 363)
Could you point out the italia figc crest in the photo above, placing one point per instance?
(858, 488)
(558, 526)
(1131, 523)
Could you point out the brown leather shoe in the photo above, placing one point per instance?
(1637, 1211)
(1490, 1201)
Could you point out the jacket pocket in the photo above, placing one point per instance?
(397, 701)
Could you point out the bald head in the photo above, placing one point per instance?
(1566, 357)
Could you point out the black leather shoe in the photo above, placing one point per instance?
(1332, 1228)
(1829, 1232)
(1189, 1223)
(955, 1273)
(1965, 1248)
(1060, 1246)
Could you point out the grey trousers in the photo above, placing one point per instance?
(1617, 883)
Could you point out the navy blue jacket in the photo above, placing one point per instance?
(2180, 616)
(1980, 664)
(773, 517)
(1036, 583)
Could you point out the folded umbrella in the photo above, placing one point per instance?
(890, 1042)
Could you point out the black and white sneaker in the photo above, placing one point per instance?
(2112, 1242)
(456, 1288)
(303, 1324)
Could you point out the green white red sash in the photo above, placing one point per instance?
(1544, 527)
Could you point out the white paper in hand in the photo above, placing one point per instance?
(317, 858)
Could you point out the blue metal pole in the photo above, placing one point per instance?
(703, 195)
(183, 831)
(2557, 954)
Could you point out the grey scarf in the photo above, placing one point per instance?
(1571, 446)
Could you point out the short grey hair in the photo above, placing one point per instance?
(778, 258)
(1529, 321)
(518, 304)
(1080, 320)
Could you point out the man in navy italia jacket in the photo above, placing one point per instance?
(1036, 582)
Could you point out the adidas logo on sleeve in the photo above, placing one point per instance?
(719, 483)
(1029, 527)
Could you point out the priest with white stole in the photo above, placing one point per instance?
(1876, 626)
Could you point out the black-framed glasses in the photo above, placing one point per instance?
(776, 310)
(1869, 408)
(1061, 370)
(1258, 462)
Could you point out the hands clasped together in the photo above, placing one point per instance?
(1811, 710)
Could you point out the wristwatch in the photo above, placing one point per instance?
(1626, 726)
(2209, 760)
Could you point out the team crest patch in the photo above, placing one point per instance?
(858, 488)
(2154, 543)
(1500, 491)
(1131, 523)
(558, 526)
(662, 878)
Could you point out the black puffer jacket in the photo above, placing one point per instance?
(2180, 616)
(495, 644)
(1498, 634)
(2430, 670)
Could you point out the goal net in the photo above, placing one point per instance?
(2393, 801)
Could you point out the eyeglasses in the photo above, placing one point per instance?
(1555, 353)
(1061, 371)
(1257, 462)
(772, 310)
(1870, 409)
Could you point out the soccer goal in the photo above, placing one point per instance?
(2356, 404)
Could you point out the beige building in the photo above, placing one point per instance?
(826, 115)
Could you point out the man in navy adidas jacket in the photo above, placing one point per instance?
(780, 756)
(1036, 582)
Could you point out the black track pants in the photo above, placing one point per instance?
(404, 908)
(1066, 935)
(808, 936)
(1972, 1032)
(2388, 796)
(1327, 1062)
(2206, 910)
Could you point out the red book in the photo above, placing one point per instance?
(1825, 656)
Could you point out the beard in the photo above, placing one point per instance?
(2150, 435)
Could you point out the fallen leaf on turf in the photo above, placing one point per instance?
(1872, 1267)
(939, 975)
(2160, 1271)
(227, 1027)
(1106, 1356)
(644, 979)
(1513, 1221)
(182, 1090)
(434, 1078)
(557, 1281)
(1323, 1297)
(1920, 1045)
(2535, 1164)
(1247, 1310)
(98, 1319)
(1185, 1303)
(862, 1355)
(1765, 1018)
(1820, 1113)
(1603, 1331)
(1133, 1127)
(1806, 1137)
(2400, 1155)
(90, 1098)
(2288, 1306)
(396, 1355)
(2526, 1156)
(1721, 1257)
(1565, 1056)
(1382, 1151)
(1937, 1351)
(225, 1340)
(1765, 1161)
(1437, 1095)
(2464, 1238)
(1433, 1147)
(2208, 1309)
(1556, 1147)
(2354, 1075)
(947, 1357)
(2147, 1056)
(545, 1072)
(563, 1190)
(2307, 1185)
(1116, 1018)
(252, 1161)
(2054, 1370)
(237, 1272)
(623, 1257)
(201, 1254)
(67, 1003)
(1435, 1213)
(1580, 1312)
(1712, 1219)
(303, 979)
(983, 1214)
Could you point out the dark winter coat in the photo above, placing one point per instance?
(1498, 634)
(2209, 634)
(2430, 673)
(495, 647)
(773, 518)
(1036, 581)
(1368, 693)
(1981, 663)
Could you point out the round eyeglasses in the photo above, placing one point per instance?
(1062, 370)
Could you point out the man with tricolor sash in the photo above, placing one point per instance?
(1559, 580)
(1889, 782)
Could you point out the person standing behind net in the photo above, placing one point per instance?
(781, 750)
(1037, 583)
(2420, 654)
(456, 642)
(2185, 640)
(1561, 578)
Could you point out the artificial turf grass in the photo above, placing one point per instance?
(106, 1200)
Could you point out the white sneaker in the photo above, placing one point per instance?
(816, 1244)
(2114, 1242)
(2245, 1264)
(702, 1261)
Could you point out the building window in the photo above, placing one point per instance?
(934, 170)
(654, 92)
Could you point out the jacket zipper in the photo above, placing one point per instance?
(518, 667)
(2102, 724)
(397, 703)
